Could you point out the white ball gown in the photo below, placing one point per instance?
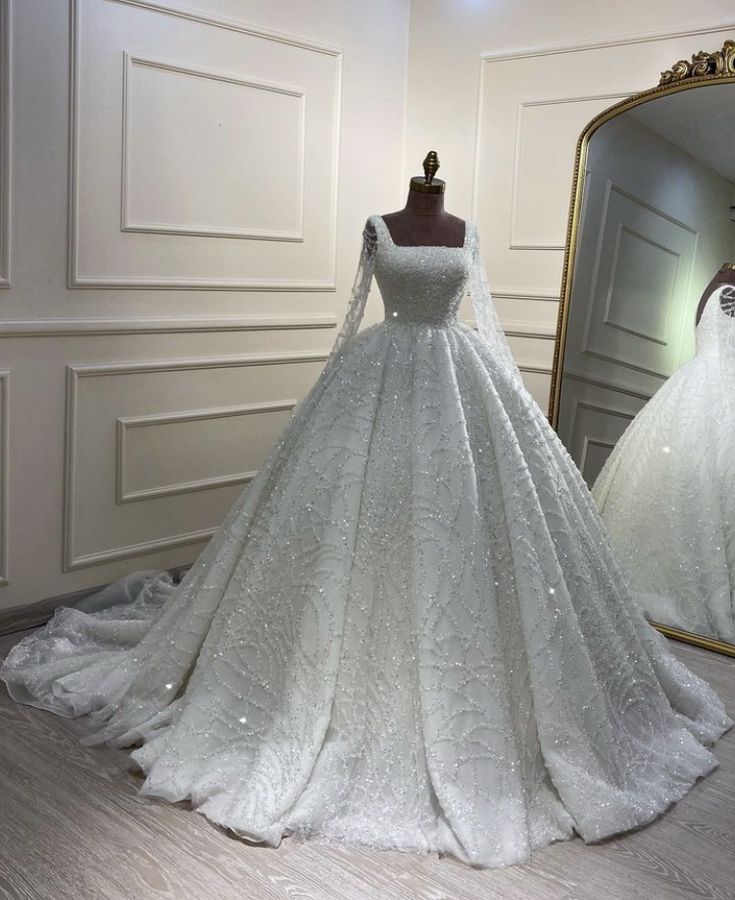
(410, 632)
(666, 490)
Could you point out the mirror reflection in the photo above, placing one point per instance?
(649, 362)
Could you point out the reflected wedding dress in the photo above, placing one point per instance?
(410, 631)
(666, 490)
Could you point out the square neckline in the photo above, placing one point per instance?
(462, 246)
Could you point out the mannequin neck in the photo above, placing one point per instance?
(726, 274)
(420, 203)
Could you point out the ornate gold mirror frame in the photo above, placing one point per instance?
(702, 70)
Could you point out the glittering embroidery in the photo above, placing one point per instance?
(410, 631)
(666, 490)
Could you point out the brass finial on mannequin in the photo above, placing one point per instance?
(428, 184)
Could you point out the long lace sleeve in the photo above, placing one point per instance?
(486, 318)
(359, 294)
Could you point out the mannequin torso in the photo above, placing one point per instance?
(724, 275)
(424, 222)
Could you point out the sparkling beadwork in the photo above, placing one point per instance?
(368, 651)
(665, 492)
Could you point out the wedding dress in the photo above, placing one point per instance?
(666, 490)
(410, 632)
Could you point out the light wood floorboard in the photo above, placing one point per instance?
(72, 827)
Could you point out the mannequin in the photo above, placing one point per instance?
(423, 222)
(724, 275)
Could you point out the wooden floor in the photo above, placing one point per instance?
(71, 826)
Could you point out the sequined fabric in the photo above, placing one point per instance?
(666, 491)
(410, 631)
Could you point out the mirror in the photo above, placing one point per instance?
(642, 399)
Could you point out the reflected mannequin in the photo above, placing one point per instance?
(665, 492)
(724, 275)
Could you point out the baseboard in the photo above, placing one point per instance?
(21, 618)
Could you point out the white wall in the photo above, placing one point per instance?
(504, 116)
(151, 350)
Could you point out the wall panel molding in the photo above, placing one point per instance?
(603, 410)
(125, 424)
(593, 442)
(535, 370)
(79, 275)
(620, 41)
(520, 293)
(588, 440)
(75, 374)
(626, 364)
(682, 256)
(606, 385)
(5, 140)
(30, 328)
(529, 330)
(4, 474)
(516, 154)
(205, 18)
(202, 230)
(608, 314)
(516, 240)
(132, 550)
(522, 330)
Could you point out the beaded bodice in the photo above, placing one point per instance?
(421, 284)
(716, 330)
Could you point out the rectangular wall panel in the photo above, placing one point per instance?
(175, 453)
(532, 108)
(180, 438)
(204, 155)
(641, 277)
(539, 202)
(207, 118)
(537, 383)
(599, 417)
(182, 196)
